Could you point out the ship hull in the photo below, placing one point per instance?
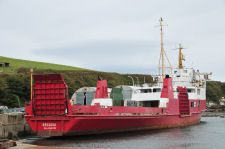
(51, 114)
(82, 125)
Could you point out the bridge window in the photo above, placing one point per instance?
(190, 90)
(146, 90)
(156, 90)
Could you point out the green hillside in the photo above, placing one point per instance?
(18, 63)
(15, 87)
(215, 90)
(15, 80)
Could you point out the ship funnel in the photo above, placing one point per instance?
(167, 87)
(102, 89)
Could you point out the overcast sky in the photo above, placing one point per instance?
(115, 35)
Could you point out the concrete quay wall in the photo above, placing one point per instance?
(13, 125)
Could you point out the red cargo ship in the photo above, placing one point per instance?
(175, 100)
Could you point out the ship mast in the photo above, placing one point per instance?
(163, 53)
(181, 57)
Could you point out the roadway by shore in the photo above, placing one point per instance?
(21, 144)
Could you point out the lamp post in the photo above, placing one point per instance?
(31, 84)
(131, 79)
(138, 84)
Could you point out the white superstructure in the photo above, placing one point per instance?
(193, 80)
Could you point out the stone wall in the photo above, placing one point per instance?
(13, 125)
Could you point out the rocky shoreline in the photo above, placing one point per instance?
(212, 114)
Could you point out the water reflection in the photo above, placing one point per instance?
(210, 133)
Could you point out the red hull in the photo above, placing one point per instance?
(48, 117)
(79, 125)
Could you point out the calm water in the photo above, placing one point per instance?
(209, 134)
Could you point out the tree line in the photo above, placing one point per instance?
(15, 86)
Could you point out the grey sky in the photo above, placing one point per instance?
(114, 35)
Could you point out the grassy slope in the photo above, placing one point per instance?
(83, 77)
(18, 63)
(16, 84)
